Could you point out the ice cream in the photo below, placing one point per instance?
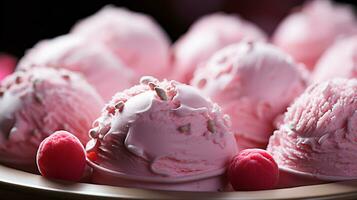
(161, 135)
(253, 83)
(38, 102)
(306, 34)
(318, 137)
(134, 37)
(7, 65)
(208, 35)
(94, 61)
(340, 60)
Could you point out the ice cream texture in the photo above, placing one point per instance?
(318, 136)
(133, 37)
(163, 132)
(208, 35)
(306, 34)
(253, 82)
(339, 61)
(38, 102)
(94, 61)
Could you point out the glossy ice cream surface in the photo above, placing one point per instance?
(339, 61)
(162, 135)
(133, 37)
(306, 34)
(253, 83)
(208, 35)
(93, 60)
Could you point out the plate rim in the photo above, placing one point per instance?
(10, 178)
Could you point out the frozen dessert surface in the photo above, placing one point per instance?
(318, 135)
(253, 83)
(94, 61)
(35, 103)
(339, 61)
(133, 37)
(307, 33)
(208, 35)
(162, 129)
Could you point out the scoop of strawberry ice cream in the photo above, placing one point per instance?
(253, 169)
(208, 35)
(161, 135)
(306, 34)
(318, 136)
(7, 65)
(253, 83)
(340, 60)
(133, 37)
(94, 61)
(61, 156)
(38, 102)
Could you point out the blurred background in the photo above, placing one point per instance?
(24, 23)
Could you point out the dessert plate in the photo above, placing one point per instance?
(17, 184)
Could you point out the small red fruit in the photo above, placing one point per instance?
(61, 156)
(253, 169)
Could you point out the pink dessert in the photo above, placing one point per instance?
(340, 60)
(134, 37)
(161, 135)
(94, 61)
(253, 83)
(208, 35)
(38, 102)
(7, 65)
(61, 156)
(253, 169)
(306, 34)
(317, 140)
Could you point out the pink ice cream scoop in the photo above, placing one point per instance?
(161, 135)
(134, 37)
(7, 65)
(38, 102)
(318, 140)
(253, 83)
(340, 60)
(308, 33)
(208, 35)
(94, 61)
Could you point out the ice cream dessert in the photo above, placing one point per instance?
(94, 61)
(306, 34)
(253, 83)
(340, 60)
(208, 35)
(38, 102)
(161, 135)
(7, 65)
(318, 137)
(134, 37)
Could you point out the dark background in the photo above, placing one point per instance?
(25, 22)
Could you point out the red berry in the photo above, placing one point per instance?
(253, 169)
(92, 156)
(61, 156)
